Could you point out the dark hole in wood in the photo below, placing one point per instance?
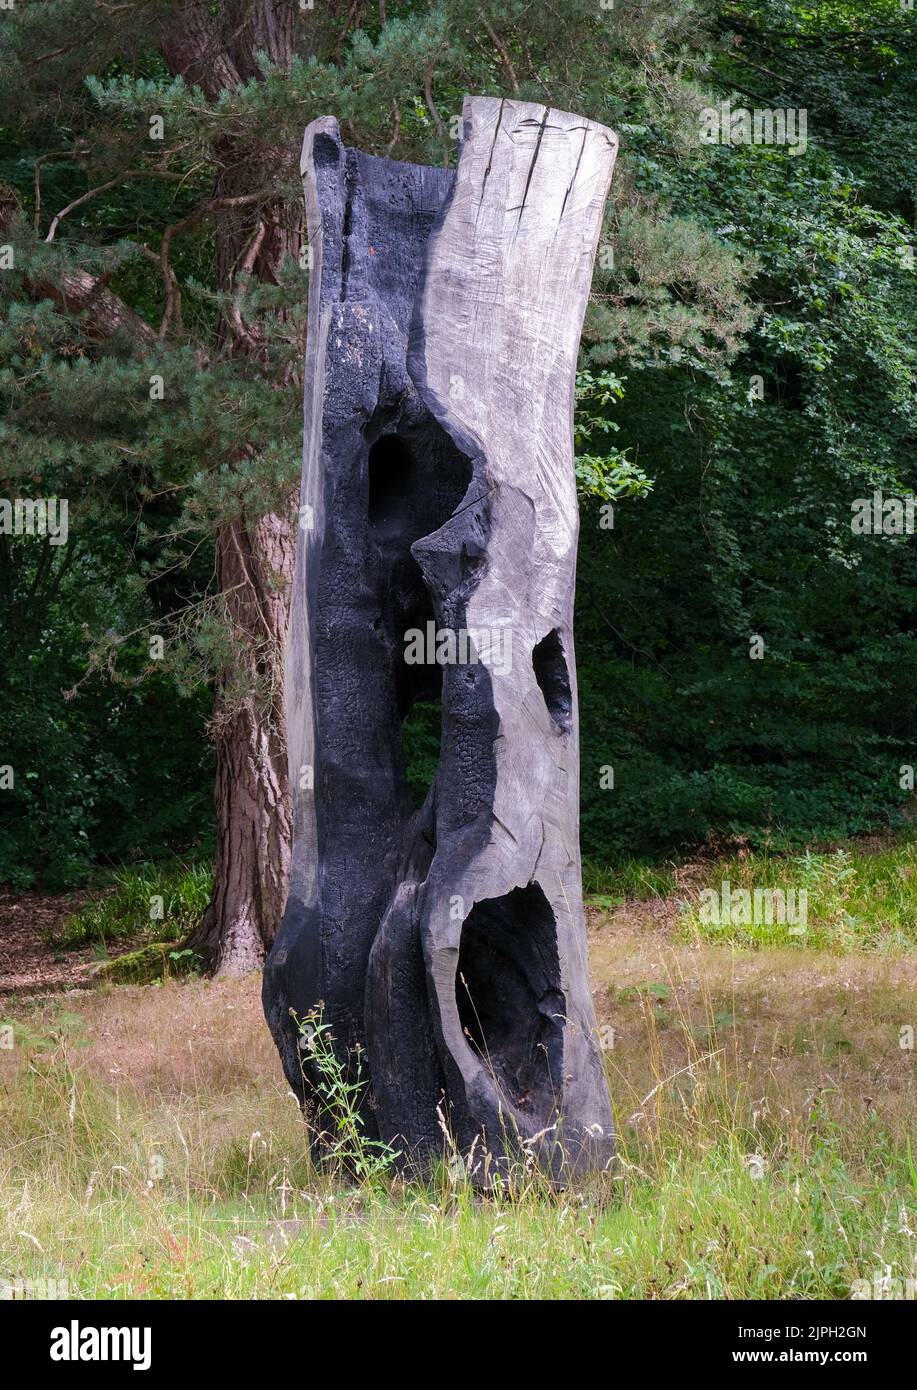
(421, 738)
(553, 679)
(393, 479)
(509, 998)
(415, 481)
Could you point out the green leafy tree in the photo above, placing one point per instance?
(747, 532)
(156, 303)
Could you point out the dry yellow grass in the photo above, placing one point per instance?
(152, 1148)
(793, 1025)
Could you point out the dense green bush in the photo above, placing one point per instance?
(101, 771)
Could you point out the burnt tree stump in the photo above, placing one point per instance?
(436, 559)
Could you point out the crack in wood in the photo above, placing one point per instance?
(490, 157)
(575, 172)
(528, 181)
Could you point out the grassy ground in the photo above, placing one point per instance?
(765, 1097)
(860, 896)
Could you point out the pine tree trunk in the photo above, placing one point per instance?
(254, 554)
(251, 798)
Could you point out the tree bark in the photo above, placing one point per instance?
(78, 292)
(251, 796)
(254, 553)
(447, 946)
